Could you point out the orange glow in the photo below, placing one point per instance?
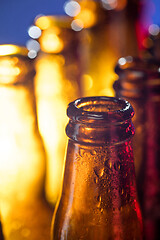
(50, 42)
(87, 14)
(87, 17)
(8, 70)
(52, 29)
(8, 49)
(20, 153)
(43, 22)
(20, 148)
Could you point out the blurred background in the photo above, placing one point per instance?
(16, 16)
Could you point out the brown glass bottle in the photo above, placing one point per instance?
(151, 166)
(130, 85)
(139, 83)
(98, 198)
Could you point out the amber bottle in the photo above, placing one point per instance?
(98, 198)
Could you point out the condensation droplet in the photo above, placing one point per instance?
(16, 225)
(108, 190)
(96, 180)
(93, 152)
(99, 171)
(117, 166)
(99, 198)
(25, 232)
(102, 210)
(81, 152)
(108, 167)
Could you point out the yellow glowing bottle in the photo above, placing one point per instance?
(57, 82)
(22, 156)
(108, 33)
(98, 199)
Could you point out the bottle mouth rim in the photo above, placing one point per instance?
(143, 67)
(101, 108)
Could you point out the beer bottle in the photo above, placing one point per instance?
(130, 85)
(151, 166)
(139, 83)
(98, 199)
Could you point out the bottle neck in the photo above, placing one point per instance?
(100, 121)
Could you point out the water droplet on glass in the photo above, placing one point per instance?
(117, 166)
(102, 210)
(99, 171)
(96, 180)
(93, 152)
(99, 199)
(81, 152)
(108, 166)
(25, 232)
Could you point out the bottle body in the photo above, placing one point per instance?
(61, 65)
(98, 198)
(143, 91)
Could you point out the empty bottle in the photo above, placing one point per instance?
(98, 199)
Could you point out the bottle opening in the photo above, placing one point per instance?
(99, 106)
(100, 120)
(108, 109)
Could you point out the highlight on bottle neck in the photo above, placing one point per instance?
(100, 120)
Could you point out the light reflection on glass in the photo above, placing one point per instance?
(34, 32)
(32, 54)
(77, 25)
(72, 8)
(109, 4)
(114, 4)
(154, 29)
(33, 45)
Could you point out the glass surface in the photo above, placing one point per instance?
(98, 198)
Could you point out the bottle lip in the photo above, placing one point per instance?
(143, 67)
(98, 109)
